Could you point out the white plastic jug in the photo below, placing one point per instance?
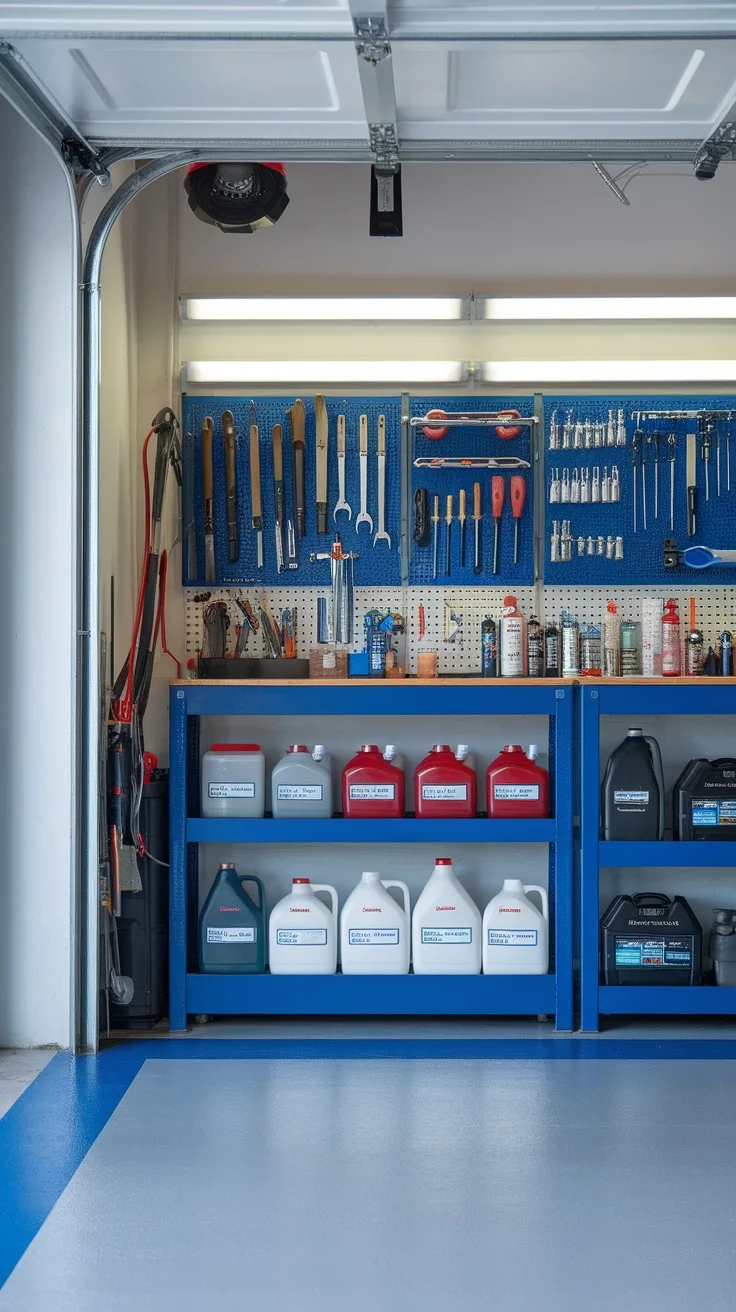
(301, 786)
(374, 929)
(302, 931)
(446, 926)
(515, 932)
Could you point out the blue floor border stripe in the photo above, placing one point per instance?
(46, 1134)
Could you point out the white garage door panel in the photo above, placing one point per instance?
(568, 90)
(285, 17)
(185, 88)
(420, 17)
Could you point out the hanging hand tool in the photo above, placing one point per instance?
(298, 448)
(341, 502)
(448, 537)
(231, 486)
(690, 483)
(477, 518)
(518, 497)
(653, 447)
(381, 534)
(671, 453)
(278, 494)
(363, 517)
(249, 625)
(719, 439)
(343, 590)
(705, 425)
(728, 455)
(255, 485)
(435, 533)
(208, 429)
(461, 520)
(644, 482)
(321, 439)
(421, 530)
(191, 519)
(697, 557)
(271, 635)
(471, 462)
(636, 442)
(497, 491)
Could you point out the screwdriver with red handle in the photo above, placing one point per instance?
(497, 491)
(518, 497)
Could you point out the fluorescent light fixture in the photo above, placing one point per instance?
(610, 307)
(324, 372)
(609, 371)
(379, 308)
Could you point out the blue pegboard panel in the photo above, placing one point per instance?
(643, 552)
(474, 442)
(374, 566)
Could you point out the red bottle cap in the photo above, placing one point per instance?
(369, 747)
(235, 747)
(441, 747)
(300, 881)
(443, 860)
(513, 747)
(509, 601)
(297, 749)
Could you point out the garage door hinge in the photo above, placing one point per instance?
(371, 39)
(384, 144)
(81, 158)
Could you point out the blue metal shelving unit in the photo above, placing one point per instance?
(415, 995)
(683, 697)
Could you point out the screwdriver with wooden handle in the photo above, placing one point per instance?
(497, 494)
(477, 518)
(448, 537)
(518, 497)
(256, 510)
(461, 520)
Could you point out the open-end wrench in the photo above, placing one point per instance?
(341, 502)
(363, 517)
(381, 533)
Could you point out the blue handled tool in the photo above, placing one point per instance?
(697, 557)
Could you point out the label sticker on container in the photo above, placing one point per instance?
(232, 790)
(329, 660)
(627, 797)
(444, 792)
(301, 938)
(372, 792)
(512, 938)
(299, 792)
(653, 952)
(231, 934)
(516, 792)
(371, 938)
(709, 812)
(447, 935)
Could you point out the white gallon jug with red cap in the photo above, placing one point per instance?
(516, 932)
(301, 786)
(446, 926)
(233, 782)
(302, 931)
(374, 928)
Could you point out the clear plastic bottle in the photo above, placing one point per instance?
(570, 646)
(611, 642)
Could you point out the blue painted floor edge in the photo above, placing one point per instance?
(48, 1131)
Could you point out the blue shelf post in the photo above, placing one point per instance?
(561, 728)
(589, 826)
(178, 860)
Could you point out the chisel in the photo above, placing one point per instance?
(448, 538)
(477, 517)
(461, 520)
(278, 493)
(320, 411)
(497, 490)
(208, 428)
(518, 498)
(296, 418)
(191, 523)
(435, 534)
(690, 482)
(231, 486)
(255, 486)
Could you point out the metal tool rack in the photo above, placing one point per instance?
(418, 995)
(646, 697)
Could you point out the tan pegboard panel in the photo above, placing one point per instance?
(715, 607)
(470, 605)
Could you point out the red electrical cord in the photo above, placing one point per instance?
(123, 710)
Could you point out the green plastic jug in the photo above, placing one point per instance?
(232, 927)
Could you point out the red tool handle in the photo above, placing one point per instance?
(518, 495)
(496, 496)
(435, 433)
(509, 432)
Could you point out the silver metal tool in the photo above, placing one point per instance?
(342, 590)
(364, 517)
(321, 453)
(615, 484)
(342, 504)
(590, 547)
(587, 435)
(575, 487)
(578, 437)
(653, 445)
(381, 534)
(554, 432)
(565, 486)
(719, 438)
(728, 457)
(636, 442)
(585, 486)
(595, 491)
(567, 428)
(435, 533)
(581, 546)
(606, 485)
(610, 547)
(477, 517)
(278, 494)
(208, 428)
(691, 483)
(620, 428)
(291, 547)
(644, 482)
(473, 418)
(600, 546)
(448, 536)
(554, 542)
(566, 540)
(611, 430)
(256, 508)
(470, 462)
(671, 452)
(554, 487)
(619, 552)
(705, 435)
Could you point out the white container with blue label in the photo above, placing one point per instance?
(374, 928)
(301, 786)
(234, 782)
(446, 926)
(516, 932)
(302, 931)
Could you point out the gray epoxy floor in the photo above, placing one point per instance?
(18, 1068)
(389, 1186)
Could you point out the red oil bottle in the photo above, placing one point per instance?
(372, 788)
(445, 787)
(516, 787)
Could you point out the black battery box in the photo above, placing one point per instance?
(649, 938)
(704, 801)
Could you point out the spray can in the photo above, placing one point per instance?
(693, 645)
(671, 659)
(611, 642)
(488, 648)
(630, 657)
(570, 646)
(534, 649)
(711, 664)
(726, 653)
(511, 641)
(551, 652)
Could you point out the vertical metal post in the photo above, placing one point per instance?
(178, 859)
(406, 467)
(538, 493)
(589, 835)
(563, 858)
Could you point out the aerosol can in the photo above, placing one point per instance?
(488, 648)
(535, 649)
(671, 659)
(511, 641)
(551, 652)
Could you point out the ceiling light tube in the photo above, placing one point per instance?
(382, 309)
(609, 371)
(325, 372)
(609, 307)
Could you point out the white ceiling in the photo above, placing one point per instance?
(132, 71)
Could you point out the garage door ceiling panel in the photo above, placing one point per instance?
(279, 17)
(569, 90)
(421, 17)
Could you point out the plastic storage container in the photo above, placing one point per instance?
(651, 939)
(516, 932)
(374, 929)
(301, 786)
(446, 926)
(516, 787)
(302, 932)
(372, 788)
(444, 786)
(632, 792)
(704, 801)
(232, 927)
(234, 782)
